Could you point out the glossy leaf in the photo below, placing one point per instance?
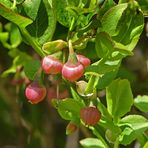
(6, 3)
(40, 29)
(144, 6)
(104, 44)
(75, 95)
(16, 18)
(111, 18)
(124, 24)
(92, 143)
(106, 79)
(141, 102)
(90, 48)
(105, 116)
(51, 3)
(134, 125)
(129, 28)
(106, 6)
(69, 109)
(4, 36)
(31, 8)
(119, 98)
(124, 49)
(15, 36)
(146, 145)
(103, 66)
(31, 68)
(63, 15)
(134, 121)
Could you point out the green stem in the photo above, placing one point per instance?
(71, 51)
(116, 144)
(14, 4)
(72, 24)
(95, 132)
(32, 42)
(72, 56)
(90, 85)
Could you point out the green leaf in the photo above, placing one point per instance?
(15, 36)
(106, 119)
(16, 18)
(31, 68)
(12, 69)
(103, 66)
(73, 3)
(1, 27)
(6, 3)
(106, 6)
(69, 109)
(31, 8)
(31, 41)
(104, 44)
(91, 54)
(144, 6)
(92, 143)
(50, 2)
(63, 15)
(106, 79)
(19, 1)
(76, 96)
(54, 46)
(4, 36)
(146, 145)
(129, 28)
(135, 125)
(42, 29)
(119, 98)
(124, 50)
(134, 121)
(141, 102)
(20, 58)
(111, 18)
(127, 136)
(124, 24)
(125, 73)
(103, 110)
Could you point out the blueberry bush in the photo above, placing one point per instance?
(65, 59)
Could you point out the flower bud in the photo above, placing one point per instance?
(35, 92)
(90, 115)
(51, 65)
(83, 60)
(80, 87)
(72, 71)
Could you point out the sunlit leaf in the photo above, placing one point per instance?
(16, 18)
(119, 98)
(141, 102)
(30, 70)
(43, 27)
(92, 143)
(134, 125)
(31, 8)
